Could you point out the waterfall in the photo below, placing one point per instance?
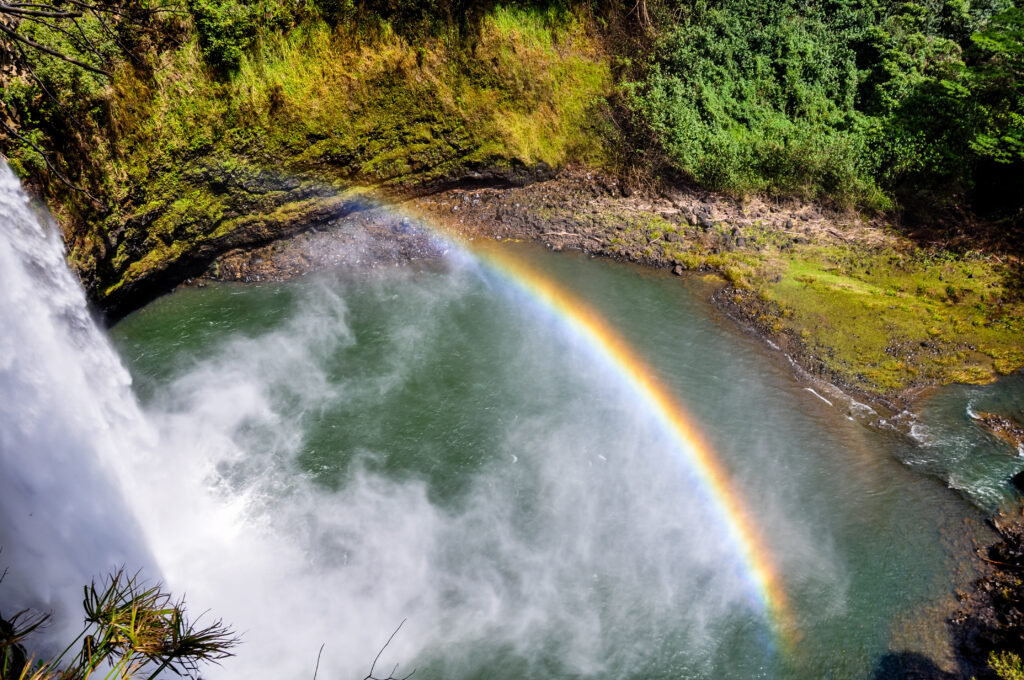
(547, 556)
(66, 416)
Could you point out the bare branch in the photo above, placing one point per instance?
(113, 36)
(317, 669)
(95, 50)
(391, 676)
(93, 7)
(54, 14)
(54, 53)
(87, 46)
(53, 169)
(42, 86)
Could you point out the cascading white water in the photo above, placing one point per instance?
(66, 415)
(554, 550)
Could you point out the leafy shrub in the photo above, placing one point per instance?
(755, 96)
(850, 100)
(225, 29)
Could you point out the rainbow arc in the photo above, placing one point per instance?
(690, 447)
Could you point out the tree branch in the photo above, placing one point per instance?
(317, 669)
(391, 675)
(43, 48)
(13, 9)
(51, 166)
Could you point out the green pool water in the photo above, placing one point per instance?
(428, 443)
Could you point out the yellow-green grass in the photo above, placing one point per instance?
(376, 108)
(878, 318)
(884, 321)
(341, 106)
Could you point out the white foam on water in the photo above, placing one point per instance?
(815, 393)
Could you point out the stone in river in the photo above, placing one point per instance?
(1018, 481)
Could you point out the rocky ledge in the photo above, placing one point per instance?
(1004, 428)
(851, 300)
(988, 629)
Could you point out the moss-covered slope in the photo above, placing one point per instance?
(192, 160)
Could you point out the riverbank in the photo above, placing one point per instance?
(189, 162)
(988, 628)
(850, 299)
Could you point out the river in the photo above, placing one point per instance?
(318, 461)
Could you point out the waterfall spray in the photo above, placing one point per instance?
(66, 413)
(567, 549)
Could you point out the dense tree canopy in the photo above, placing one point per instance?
(855, 101)
(873, 103)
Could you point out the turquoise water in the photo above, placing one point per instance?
(428, 443)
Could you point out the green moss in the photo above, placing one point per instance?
(884, 321)
(1007, 665)
(878, 319)
(337, 105)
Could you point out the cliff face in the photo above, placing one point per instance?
(187, 162)
(192, 148)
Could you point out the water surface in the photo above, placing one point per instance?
(428, 443)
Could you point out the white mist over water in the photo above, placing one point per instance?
(553, 551)
(577, 547)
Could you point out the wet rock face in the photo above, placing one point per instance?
(1004, 428)
(991, 616)
(206, 211)
(371, 238)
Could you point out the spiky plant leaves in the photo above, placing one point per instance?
(139, 626)
(19, 626)
(130, 626)
(14, 662)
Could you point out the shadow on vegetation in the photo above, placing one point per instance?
(1013, 280)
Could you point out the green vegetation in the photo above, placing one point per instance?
(171, 145)
(183, 128)
(849, 101)
(870, 310)
(131, 630)
(1007, 665)
(885, 320)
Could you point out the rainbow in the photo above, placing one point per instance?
(662, 405)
